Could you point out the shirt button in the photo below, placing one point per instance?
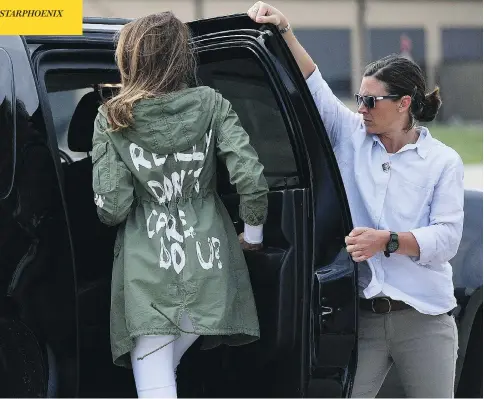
(374, 144)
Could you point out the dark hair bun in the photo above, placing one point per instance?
(431, 105)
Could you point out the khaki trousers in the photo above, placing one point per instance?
(423, 348)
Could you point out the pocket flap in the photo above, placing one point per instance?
(98, 151)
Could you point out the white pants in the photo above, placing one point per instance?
(154, 373)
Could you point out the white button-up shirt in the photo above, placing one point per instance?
(419, 189)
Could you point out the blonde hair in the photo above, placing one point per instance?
(155, 57)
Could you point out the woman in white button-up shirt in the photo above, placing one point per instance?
(405, 191)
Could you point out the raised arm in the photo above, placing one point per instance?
(245, 172)
(264, 13)
(337, 118)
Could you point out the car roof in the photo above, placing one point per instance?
(93, 24)
(102, 29)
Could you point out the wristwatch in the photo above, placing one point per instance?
(392, 244)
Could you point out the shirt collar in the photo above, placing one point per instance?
(424, 142)
(422, 145)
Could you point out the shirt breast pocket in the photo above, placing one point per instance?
(411, 203)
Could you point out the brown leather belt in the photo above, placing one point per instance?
(382, 305)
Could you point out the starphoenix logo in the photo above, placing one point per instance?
(31, 13)
(46, 17)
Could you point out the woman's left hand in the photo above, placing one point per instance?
(362, 243)
(249, 247)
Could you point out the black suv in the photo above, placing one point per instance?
(56, 256)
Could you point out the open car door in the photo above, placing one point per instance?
(303, 280)
(38, 313)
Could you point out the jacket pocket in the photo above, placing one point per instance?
(103, 171)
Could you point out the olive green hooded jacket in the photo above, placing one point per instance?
(176, 249)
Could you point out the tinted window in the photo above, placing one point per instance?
(63, 104)
(462, 44)
(244, 84)
(65, 89)
(7, 125)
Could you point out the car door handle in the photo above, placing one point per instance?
(326, 310)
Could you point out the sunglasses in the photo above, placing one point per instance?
(370, 101)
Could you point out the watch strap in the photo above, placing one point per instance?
(285, 29)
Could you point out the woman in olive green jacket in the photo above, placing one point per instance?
(179, 271)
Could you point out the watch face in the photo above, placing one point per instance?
(392, 246)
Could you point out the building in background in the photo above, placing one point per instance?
(443, 36)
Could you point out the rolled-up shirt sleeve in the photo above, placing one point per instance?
(440, 240)
(337, 118)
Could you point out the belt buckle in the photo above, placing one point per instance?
(386, 299)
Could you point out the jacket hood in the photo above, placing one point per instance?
(171, 123)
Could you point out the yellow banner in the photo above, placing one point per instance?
(40, 17)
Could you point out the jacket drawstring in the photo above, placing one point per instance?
(168, 343)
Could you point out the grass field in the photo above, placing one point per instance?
(466, 140)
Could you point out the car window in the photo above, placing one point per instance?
(244, 84)
(7, 126)
(240, 80)
(62, 104)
